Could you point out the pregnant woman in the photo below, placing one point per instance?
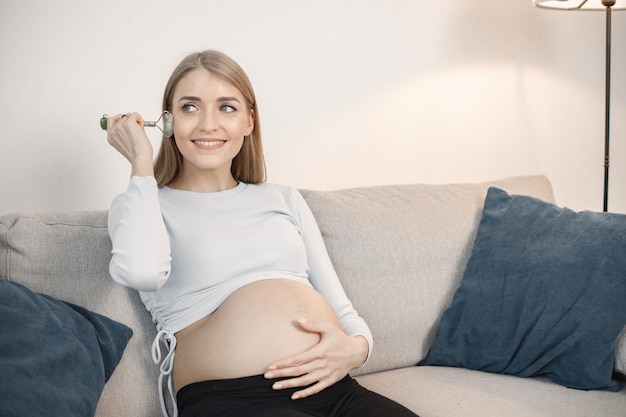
(233, 269)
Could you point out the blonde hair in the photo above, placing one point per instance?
(249, 164)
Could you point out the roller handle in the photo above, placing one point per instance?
(168, 123)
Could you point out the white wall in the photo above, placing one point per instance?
(352, 92)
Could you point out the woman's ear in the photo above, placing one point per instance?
(251, 118)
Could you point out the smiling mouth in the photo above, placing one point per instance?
(209, 143)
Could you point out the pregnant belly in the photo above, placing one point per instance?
(255, 326)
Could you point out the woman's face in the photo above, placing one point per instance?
(210, 122)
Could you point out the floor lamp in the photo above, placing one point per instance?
(607, 6)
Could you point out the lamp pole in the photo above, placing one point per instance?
(607, 105)
(608, 6)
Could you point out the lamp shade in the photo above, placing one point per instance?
(581, 4)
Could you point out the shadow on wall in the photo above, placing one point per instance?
(467, 122)
(503, 30)
(517, 31)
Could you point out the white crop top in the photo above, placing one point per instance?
(186, 252)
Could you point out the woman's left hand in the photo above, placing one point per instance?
(321, 366)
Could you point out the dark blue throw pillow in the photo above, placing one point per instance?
(55, 357)
(544, 293)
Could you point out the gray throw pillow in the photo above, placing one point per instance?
(55, 357)
(543, 294)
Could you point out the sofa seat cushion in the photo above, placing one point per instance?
(436, 391)
(543, 294)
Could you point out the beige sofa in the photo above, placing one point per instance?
(400, 252)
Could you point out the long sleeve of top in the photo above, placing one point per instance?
(141, 249)
(186, 252)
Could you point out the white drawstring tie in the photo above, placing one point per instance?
(166, 367)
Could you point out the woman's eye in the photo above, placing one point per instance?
(188, 108)
(227, 108)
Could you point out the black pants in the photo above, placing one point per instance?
(254, 397)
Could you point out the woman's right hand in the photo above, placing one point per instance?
(125, 132)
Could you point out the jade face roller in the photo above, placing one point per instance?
(168, 123)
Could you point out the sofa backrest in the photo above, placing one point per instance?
(399, 251)
(66, 255)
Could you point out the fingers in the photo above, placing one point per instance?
(112, 121)
(312, 390)
(122, 126)
(323, 364)
(295, 367)
(313, 386)
(298, 365)
(315, 327)
(126, 134)
(314, 383)
(124, 119)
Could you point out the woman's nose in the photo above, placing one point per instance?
(208, 121)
